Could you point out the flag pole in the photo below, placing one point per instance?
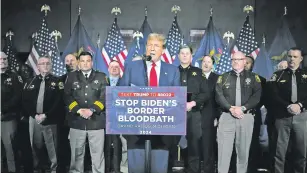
(98, 44)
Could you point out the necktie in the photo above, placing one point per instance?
(153, 76)
(238, 91)
(40, 98)
(294, 88)
(86, 76)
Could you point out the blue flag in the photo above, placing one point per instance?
(282, 42)
(79, 41)
(211, 44)
(224, 64)
(263, 64)
(138, 46)
(100, 64)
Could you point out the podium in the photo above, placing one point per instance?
(146, 111)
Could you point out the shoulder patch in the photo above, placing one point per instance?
(257, 78)
(273, 78)
(219, 80)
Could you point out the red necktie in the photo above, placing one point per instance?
(153, 79)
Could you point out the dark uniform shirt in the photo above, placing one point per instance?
(11, 88)
(196, 84)
(88, 94)
(52, 97)
(226, 90)
(281, 86)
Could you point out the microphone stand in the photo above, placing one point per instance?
(147, 141)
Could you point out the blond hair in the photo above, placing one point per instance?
(159, 37)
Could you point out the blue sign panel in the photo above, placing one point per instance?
(146, 110)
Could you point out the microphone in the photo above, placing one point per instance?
(143, 57)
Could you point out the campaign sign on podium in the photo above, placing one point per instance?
(146, 110)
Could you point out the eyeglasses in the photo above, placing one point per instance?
(237, 59)
(46, 63)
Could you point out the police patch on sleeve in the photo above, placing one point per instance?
(273, 78)
(219, 80)
(61, 85)
(257, 78)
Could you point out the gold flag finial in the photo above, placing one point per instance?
(56, 34)
(138, 35)
(228, 35)
(34, 35)
(175, 9)
(248, 9)
(211, 10)
(45, 8)
(116, 11)
(285, 11)
(98, 40)
(9, 34)
(79, 10)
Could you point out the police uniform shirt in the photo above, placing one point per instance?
(226, 90)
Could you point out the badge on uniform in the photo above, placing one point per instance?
(282, 81)
(248, 81)
(96, 81)
(194, 73)
(53, 84)
(273, 78)
(31, 86)
(227, 85)
(20, 79)
(219, 80)
(9, 81)
(61, 85)
(304, 76)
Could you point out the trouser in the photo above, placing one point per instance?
(38, 135)
(96, 145)
(255, 150)
(8, 138)
(24, 145)
(124, 161)
(194, 133)
(64, 148)
(234, 131)
(113, 153)
(284, 128)
(208, 147)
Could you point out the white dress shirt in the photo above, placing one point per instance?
(157, 68)
(208, 74)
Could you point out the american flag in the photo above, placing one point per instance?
(246, 42)
(42, 45)
(114, 48)
(58, 65)
(11, 52)
(173, 42)
(224, 64)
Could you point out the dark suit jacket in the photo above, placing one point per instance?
(210, 110)
(135, 75)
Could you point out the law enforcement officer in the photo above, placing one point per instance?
(197, 85)
(289, 88)
(85, 97)
(237, 93)
(41, 98)
(210, 113)
(113, 158)
(11, 87)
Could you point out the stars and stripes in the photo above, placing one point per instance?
(114, 48)
(246, 41)
(224, 64)
(11, 52)
(173, 42)
(58, 65)
(42, 45)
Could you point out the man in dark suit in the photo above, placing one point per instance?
(150, 73)
(113, 142)
(210, 113)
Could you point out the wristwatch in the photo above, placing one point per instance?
(93, 110)
(243, 108)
